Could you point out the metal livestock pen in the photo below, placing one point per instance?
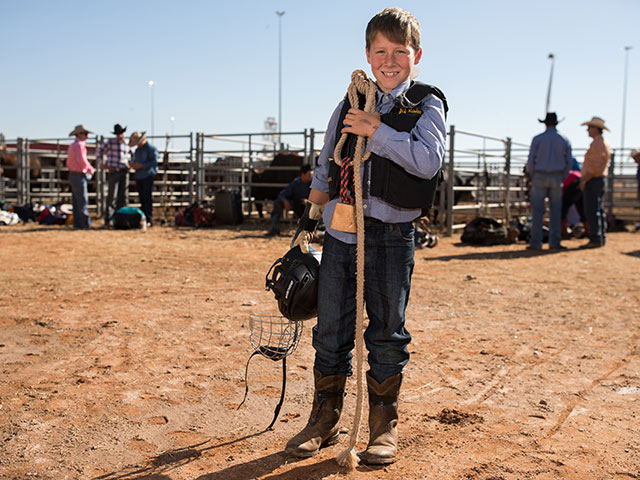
(483, 175)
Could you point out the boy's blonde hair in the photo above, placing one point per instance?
(397, 25)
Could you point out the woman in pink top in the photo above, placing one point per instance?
(80, 172)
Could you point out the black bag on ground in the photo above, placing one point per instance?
(129, 218)
(485, 231)
(228, 207)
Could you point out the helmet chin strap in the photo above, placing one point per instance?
(274, 338)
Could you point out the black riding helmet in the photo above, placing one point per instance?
(294, 281)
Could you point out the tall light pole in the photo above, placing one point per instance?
(280, 14)
(172, 119)
(151, 84)
(546, 108)
(624, 99)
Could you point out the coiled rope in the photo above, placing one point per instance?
(366, 86)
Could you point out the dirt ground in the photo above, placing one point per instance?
(122, 357)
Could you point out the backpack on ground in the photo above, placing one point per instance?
(127, 218)
(196, 215)
(485, 231)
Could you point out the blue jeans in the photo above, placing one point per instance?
(389, 250)
(79, 200)
(118, 182)
(546, 185)
(594, 209)
(145, 191)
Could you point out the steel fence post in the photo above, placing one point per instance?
(19, 155)
(450, 182)
(610, 184)
(200, 172)
(312, 153)
(507, 180)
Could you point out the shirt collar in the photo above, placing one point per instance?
(396, 91)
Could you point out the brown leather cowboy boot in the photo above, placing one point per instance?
(383, 420)
(321, 429)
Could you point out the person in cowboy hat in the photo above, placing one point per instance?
(80, 172)
(592, 183)
(548, 165)
(145, 164)
(118, 155)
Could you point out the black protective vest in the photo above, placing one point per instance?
(389, 181)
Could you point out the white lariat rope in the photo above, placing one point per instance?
(359, 83)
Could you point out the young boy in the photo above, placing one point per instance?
(408, 140)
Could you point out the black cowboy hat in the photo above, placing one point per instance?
(550, 119)
(117, 129)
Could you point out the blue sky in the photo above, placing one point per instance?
(215, 63)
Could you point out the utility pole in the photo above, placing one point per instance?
(624, 99)
(280, 14)
(553, 59)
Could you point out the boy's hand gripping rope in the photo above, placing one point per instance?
(359, 83)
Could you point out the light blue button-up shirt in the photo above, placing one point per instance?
(419, 152)
(550, 153)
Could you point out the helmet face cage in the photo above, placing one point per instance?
(273, 336)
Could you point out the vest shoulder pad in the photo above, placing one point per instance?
(418, 91)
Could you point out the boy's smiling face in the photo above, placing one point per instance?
(391, 63)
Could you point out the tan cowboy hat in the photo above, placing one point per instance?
(595, 122)
(136, 138)
(635, 154)
(79, 129)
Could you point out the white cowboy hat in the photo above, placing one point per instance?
(595, 122)
(136, 138)
(79, 129)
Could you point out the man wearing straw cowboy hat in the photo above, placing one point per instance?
(145, 163)
(548, 165)
(592, 183)
(117, 167)
(80, 172)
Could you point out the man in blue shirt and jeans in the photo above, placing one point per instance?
(292, 197)
(145, 164)
(548, 165)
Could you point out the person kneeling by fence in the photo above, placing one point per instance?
(292, 197)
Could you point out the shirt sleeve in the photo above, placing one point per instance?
(420, 151)
(531, 160)
(321, 173)
(287, 192)
(568, 158)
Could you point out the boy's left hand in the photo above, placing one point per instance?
(361, 123)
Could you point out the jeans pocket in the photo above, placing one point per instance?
(405, 230)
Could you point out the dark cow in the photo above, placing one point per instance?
(271, 175)
(440, 201)
(9, 163)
